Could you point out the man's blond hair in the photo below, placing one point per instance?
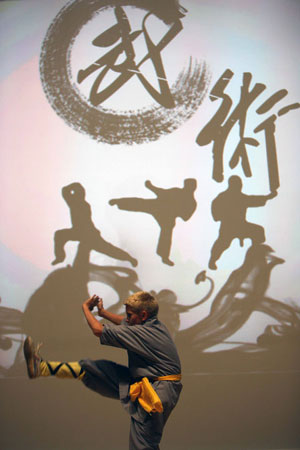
(142, 301)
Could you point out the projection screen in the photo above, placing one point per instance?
(147, 146)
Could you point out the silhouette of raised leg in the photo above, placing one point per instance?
(221, 244)
(164, 244)
(60, 239)
(108, 249)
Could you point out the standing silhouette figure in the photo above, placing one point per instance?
(230, 208)
(165, 208)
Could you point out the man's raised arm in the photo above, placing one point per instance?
(114, 318)
(93, 323)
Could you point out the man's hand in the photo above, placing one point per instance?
(89, 305)
(93, 323)
(100, 307)
(92, 302)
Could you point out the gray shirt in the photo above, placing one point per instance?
(151, 350)
(151, 353)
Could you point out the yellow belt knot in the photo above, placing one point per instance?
(147, 396)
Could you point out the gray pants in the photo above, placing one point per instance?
(113, 380)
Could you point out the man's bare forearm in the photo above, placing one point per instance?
(114, 318)
(93, 323)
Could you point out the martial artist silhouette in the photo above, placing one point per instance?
(230, 208)
(83, 229)
(165, 208)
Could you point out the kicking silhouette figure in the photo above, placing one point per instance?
(165, 208)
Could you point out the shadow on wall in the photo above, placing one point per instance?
(53, 314)
(256, 382)
(236, 399)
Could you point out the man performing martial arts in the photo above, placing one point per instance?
(149, 388)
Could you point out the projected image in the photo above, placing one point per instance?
(153, 146)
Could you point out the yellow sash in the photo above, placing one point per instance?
(146, 395)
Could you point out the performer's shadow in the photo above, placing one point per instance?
(54, 316)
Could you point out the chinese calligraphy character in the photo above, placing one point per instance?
(129, 68)
(219, 127)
